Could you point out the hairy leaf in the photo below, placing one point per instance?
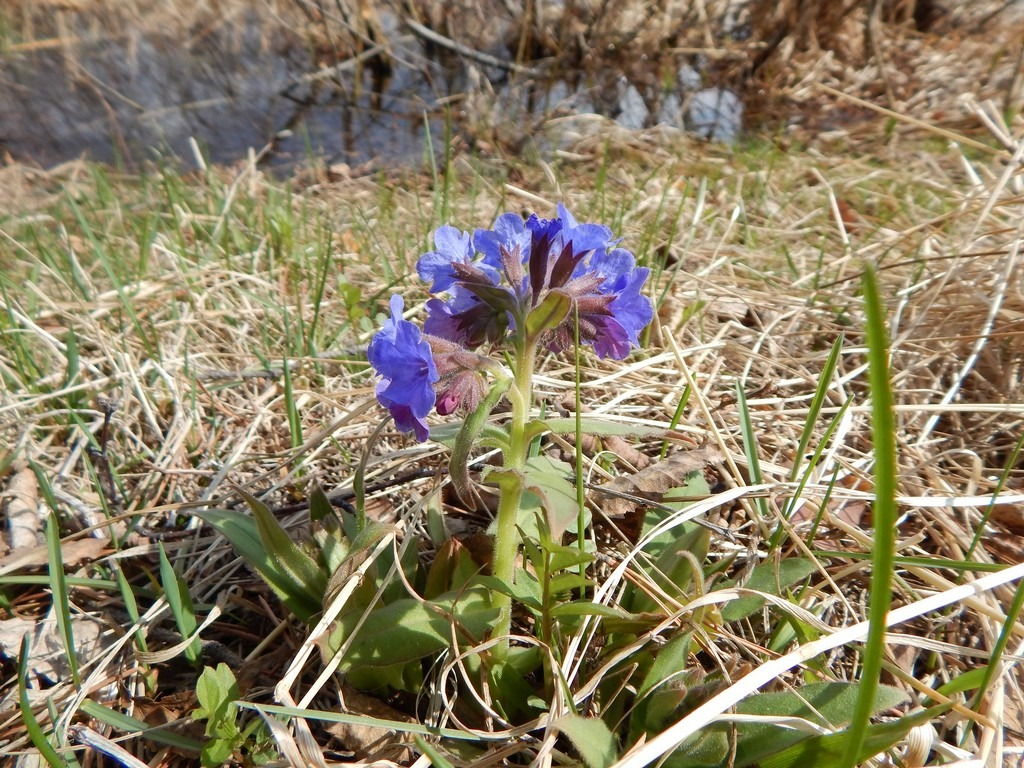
(546, 478)
(768, 577)
(411, 629)
(827, 751)
(591, 425)
(592, 739)
(301, 598)
(829, 705)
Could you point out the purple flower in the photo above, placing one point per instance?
(466, 319)
(454, 250)
(584, 237)
(403, 358)
(494, 279)
(626, 314)
(509, 233)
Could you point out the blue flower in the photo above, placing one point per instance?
(454, 251)
(509, 233)
(468, 319)
(402, 357)
(496, 277)
(629, 310)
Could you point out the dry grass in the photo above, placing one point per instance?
(761, 270)
(148, 324)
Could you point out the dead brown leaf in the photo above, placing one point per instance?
(1010, 516)
(614, 498)
(626, 455)
(73, 552)
(47, 655)
(363, 739)
(23, 523)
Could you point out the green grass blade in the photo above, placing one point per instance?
(883, 561)
(934, 563)
(131, 605)
(815, 458)
(176, 591)
(994, 664)
(1010, 464)
(398, 726)
(71, 581)
(820, 394)
(322, 271)
(433, 754)
(129, 724)
(28, 718)
(294, 419)
(750, 448)
(59, 589)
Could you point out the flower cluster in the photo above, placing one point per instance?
(524, 284)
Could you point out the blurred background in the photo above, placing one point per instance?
(361, 85)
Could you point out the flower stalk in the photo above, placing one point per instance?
(522, 287)
(506, 540)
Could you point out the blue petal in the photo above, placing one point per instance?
(509, 231)
(403, 359)
(436, 266)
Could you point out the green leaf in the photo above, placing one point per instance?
(465, 442)
(411, 629)
(547, 315)
(768, 577)
(828, 751)
(292, 561)
(668, 674)
(828, 704)
(884, 511)
(433, 754)
(670, 661)
(562, 557)
(674, 499)
(546, 478)
(592, 739)
(452, 568)
(587, 608)
(216, 752)
(320, 507)
(217, 691)
(59, 590)
(513, 686)
(448, 434)
(242, 532)
(180, 603)
(673, 570)
(526, 590)
(28, 717)
(591, 425)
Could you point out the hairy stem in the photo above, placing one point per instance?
(506, 540)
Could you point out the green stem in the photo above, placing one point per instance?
(506, 541)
